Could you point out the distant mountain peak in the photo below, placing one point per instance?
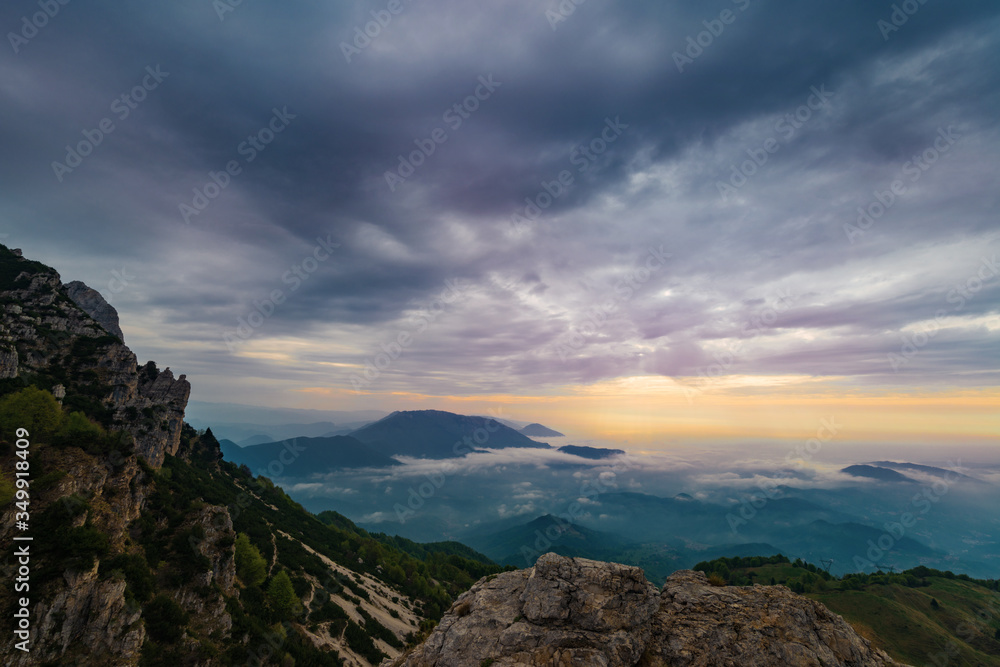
(438, 434)
(539, 431)
(306, 455)
(929, 470)
(594, 453)
(876, 472)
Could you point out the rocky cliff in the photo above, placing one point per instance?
(147, 548)
(48, 337)
(86, 498)
(572, 611)
(92, 303)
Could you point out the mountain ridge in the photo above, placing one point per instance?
(437, 434)
(301, 457)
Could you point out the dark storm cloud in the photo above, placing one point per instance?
(554, 87)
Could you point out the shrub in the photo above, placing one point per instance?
(251, 567)
(281, 596)
(31, 408)
(46, 481)
(328, 612)
(79, 431)
(165, 620)
(359, 642)
(141, 583)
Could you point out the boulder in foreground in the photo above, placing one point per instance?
(573, 611)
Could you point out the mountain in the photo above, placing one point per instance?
(929, 470)
(301, 457)
(567, 611)
(875, 472)
(539, 431)
(245, 433)
(522, 544)
(436, 434)
(259, 439)
(595, 453)
(145, 546)
(49, 342)
(853, 547)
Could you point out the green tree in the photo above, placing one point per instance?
(251, 567)
(281, 596)
(79, 431)
(31, 408)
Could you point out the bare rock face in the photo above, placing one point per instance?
(92, 303)
(562, 611)
(583, 613)
(700, 625)
(160, 401)
(87, 612)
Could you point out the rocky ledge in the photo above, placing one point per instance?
(573, 611)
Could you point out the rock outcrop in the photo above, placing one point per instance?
(66, 338)
(573, 611)
(700, 625)
(68, 334)
(92, 303)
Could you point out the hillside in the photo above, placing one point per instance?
(300, 457)
(521, 545)
(436, 434)
(876, 472)
(920, 616)
(147, 548)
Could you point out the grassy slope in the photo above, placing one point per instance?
(904, 623)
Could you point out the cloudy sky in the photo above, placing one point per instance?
(635, 220)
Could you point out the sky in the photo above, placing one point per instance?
(643, 222)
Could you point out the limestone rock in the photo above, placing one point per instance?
(562, 611)
(92, 303)
(46, 325)
(8, 362)
(573, 611)
(700, 625)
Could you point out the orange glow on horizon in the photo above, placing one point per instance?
(657, 409)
